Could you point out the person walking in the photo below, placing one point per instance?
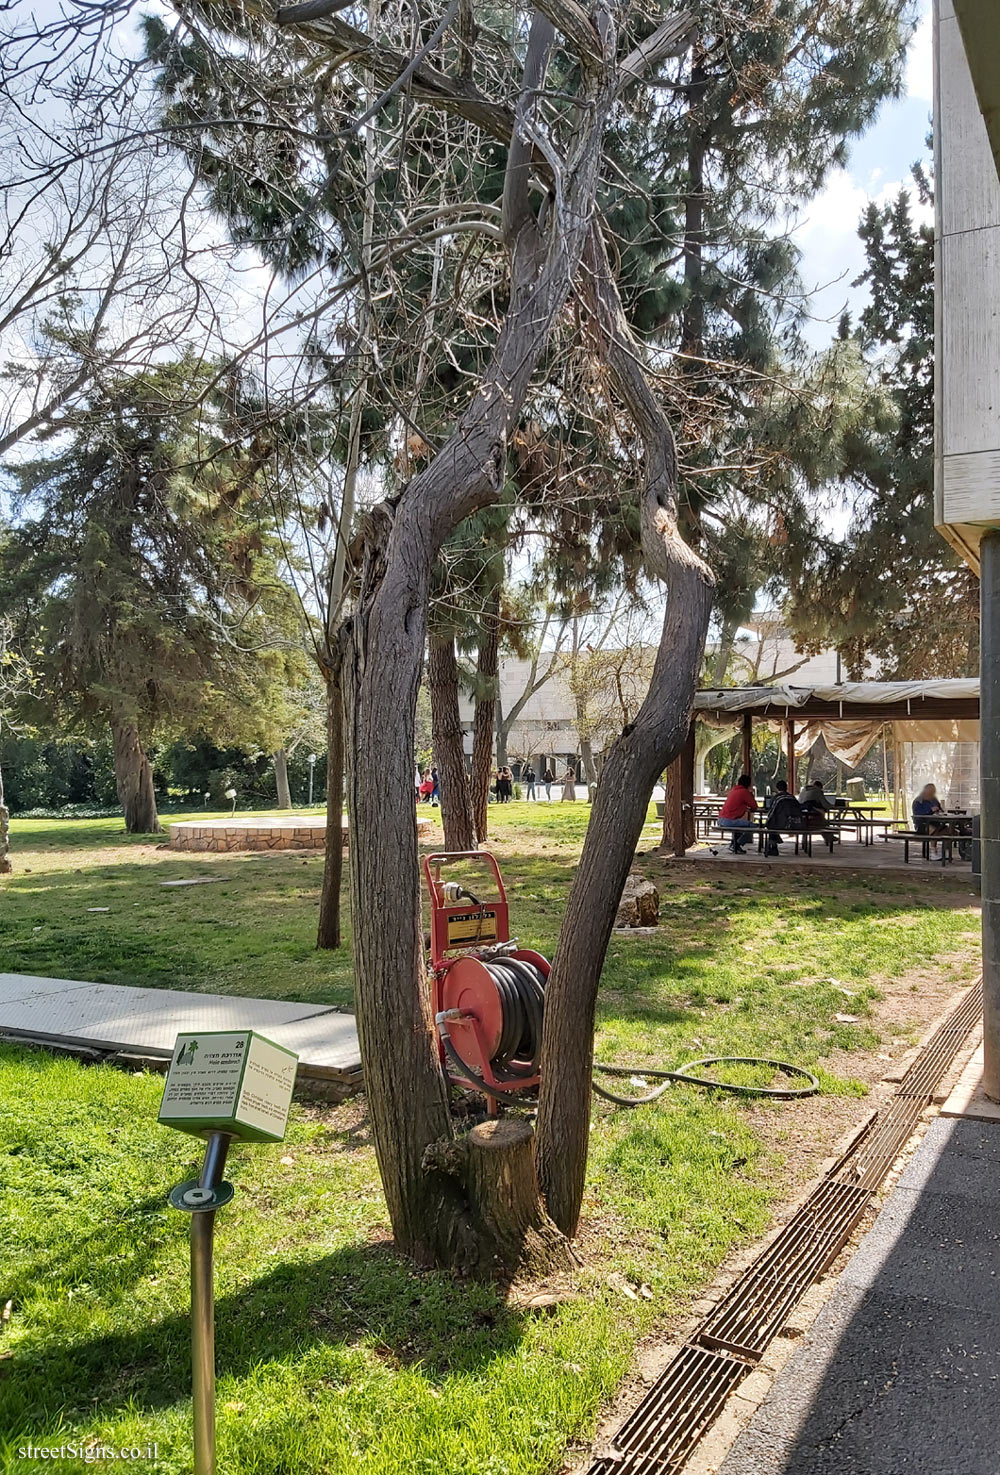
(436, 790)
(529, 783)
(548, 779)
(505, 785)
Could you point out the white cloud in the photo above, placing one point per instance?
(826, 233)
(919, 76)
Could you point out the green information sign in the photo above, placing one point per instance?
(234, 1081)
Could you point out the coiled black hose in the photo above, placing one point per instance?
(521, 987)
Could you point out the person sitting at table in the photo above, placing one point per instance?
(815, 807)
(925, 804)
(736, 810)
(784, 812)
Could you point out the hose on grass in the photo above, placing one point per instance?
(521, 988)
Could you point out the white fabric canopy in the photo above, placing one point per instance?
(877, 693)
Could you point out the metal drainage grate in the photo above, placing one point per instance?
(675, 1413)
(659, 1436)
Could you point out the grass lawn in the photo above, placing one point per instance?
(334, 1355)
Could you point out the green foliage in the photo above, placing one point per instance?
(137, 570)
(893, 591)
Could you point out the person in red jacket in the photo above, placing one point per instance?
(735, 813)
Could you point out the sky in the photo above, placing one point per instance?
(880, 161)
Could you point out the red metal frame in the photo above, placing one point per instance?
(472, 1029)
(442, 911)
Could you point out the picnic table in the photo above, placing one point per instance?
(827, 830)
(947, 830)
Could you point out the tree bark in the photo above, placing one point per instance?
(502, 732)
(636, 759)
(430, 1213)
(678, 802)
(449, 754)
(5, 865)
(587, 759)
(280, 760)
(134, 780)
(328, 933)
(494, 1165)
(484, 720)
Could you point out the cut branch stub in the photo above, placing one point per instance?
(495, 1167)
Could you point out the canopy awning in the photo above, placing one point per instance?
(954, 699)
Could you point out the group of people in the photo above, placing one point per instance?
(503, 783)
(783, 810)
(807, 812)
(428, 786)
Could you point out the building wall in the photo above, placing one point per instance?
(967, 304)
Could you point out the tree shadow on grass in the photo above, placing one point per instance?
(357, 1296)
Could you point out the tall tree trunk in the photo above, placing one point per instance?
(587, 759)
(678, 799)
(637, 758)
(5, 865)
(449, 754)
(328, 931)
(502, 732)
(134, 781)
(484, 720)
(672, 843)
(432, 1214)
(280, 760)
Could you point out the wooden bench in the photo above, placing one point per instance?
(924, 840)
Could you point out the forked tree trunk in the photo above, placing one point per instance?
(449, 754)
(134, 780)
(637, 758)
(484, 721)
(280, 760)
(328, 931)
(430, 1210)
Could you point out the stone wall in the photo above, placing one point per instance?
(259, 833)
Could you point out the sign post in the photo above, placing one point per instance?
(224, 1087)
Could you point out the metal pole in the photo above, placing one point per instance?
(203, 1311)
(748, 743)
(989, 795)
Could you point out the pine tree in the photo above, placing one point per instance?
(135, 577)
(892, 592)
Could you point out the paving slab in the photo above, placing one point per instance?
(900, 1372)
(967, 1098)
(144, 1022)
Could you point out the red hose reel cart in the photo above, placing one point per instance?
(487, 994)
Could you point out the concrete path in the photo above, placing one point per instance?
(142, 1023)
(900, 1372)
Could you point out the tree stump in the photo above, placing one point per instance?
(495, 1166)
(640, 904)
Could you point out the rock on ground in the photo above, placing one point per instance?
(640, 904)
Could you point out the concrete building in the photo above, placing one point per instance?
(546, 729)
(967, 392)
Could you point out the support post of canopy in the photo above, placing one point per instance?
(790, 733)
(748, 743)
(989, 794)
